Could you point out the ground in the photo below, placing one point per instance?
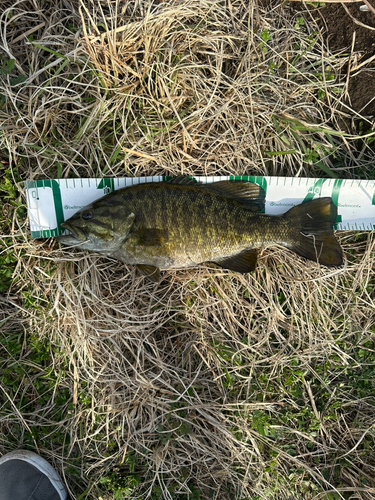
(340, 25)
(210, 384)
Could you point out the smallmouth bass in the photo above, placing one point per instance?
(182, 223)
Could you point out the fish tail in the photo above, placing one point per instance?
(312, 225)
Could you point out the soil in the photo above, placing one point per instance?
(339, 24)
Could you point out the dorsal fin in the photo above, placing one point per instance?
(182, 179)
(248, 194)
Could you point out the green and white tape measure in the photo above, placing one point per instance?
(52, 201)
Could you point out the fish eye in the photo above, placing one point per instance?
(86, 215)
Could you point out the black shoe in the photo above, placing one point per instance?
(24, 475)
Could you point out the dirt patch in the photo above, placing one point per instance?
(345, 26)
(342, 21)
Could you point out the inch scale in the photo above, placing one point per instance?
(52, 201)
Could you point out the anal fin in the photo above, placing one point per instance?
(243, 262)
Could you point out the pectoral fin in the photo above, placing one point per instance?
(150, 236)
(243, 262)
(151, 272)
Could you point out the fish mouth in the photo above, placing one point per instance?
(77, 233)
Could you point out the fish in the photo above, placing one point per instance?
(182, 223)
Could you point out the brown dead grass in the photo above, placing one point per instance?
(179, 376)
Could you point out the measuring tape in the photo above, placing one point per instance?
(52, 201)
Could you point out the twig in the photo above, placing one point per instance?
(29, 32)
(369, 6)
(138, 153)
(356, 20)
(349, 66)
(370, 59)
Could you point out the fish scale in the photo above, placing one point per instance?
(198, 223)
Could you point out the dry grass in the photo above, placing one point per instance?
(209, 384)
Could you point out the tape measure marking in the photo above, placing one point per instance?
(51, 201)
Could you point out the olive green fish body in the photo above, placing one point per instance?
(192, 226)
(181, 224)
